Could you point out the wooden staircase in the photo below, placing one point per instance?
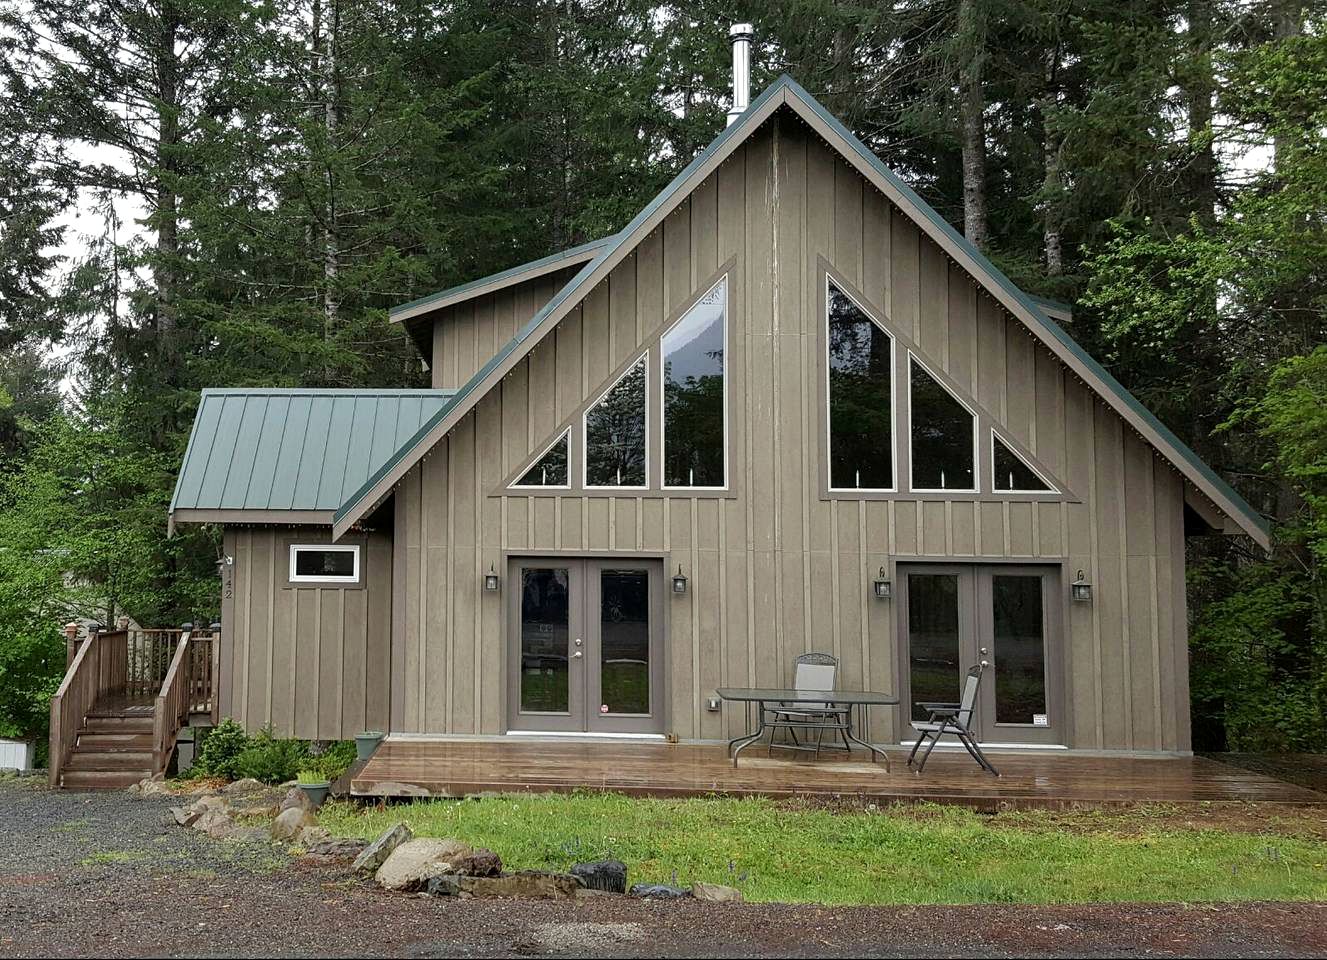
(124, 698)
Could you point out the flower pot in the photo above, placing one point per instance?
(316, 793)
(366, 743)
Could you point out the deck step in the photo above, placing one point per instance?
(114, 742)
(101, 779)
(108, 760)
(95, 724)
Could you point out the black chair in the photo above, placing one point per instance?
(952, 718)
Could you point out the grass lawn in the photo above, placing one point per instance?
(787, 852)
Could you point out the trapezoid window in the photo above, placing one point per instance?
(550, 470)
(694, 394)
(1013, 474)
(615, 441)
(944, 434)
(861, 396)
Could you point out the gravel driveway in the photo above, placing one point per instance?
(105, 875)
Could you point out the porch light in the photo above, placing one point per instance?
(679, 581)
(884, 590)
(491, 580)
(1080, 589)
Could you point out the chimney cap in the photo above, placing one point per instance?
(741, 30)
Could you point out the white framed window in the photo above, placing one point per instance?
(693, 394)
(1011, 473)
(942, 433)
(860, 396)
(614, 433)
(549, 470)
(324, 563)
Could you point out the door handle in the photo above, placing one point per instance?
(577, 655)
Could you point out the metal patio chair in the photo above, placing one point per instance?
(811, 671)
(952, 718)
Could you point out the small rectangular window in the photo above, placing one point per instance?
(324, 563)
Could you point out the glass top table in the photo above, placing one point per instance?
(819, 710)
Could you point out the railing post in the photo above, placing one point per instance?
(71, 642)
(213, 672)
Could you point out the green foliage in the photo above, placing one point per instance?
(924, 854)
(32, 658)
(269, 759)
(332, 762)
(220, 751)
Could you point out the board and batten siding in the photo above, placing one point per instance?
(467, 335)
(312, 661)
(774, 569)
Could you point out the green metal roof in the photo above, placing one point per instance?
(293, 450)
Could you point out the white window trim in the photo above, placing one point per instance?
(1051, 489)
(976, 434)
(644, 358)
(663, 410)
(893, 399)
(530, 465)
(352, 549)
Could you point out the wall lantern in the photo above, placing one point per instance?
(491, 579)
(679, 581)
(884, 590)
(1080, 589)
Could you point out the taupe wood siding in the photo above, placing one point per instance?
(467, 335)
(311, 661)
(776, 570)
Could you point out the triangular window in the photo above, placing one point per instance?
(943, 432)
(550, 469)
(615, 440)
(1013, 474)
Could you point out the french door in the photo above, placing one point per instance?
(953, 616)
(585, 646)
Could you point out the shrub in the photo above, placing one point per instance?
(271, 760)
(332, 762)
(220, 751)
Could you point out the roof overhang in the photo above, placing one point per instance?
(786, 92)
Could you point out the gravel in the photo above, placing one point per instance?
(106, 875)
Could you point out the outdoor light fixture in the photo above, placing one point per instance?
(1080, 589)
(491, 579)
(679, 581)
(884, 590)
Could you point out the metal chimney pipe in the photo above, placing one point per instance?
(740, 34)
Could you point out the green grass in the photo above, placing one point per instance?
(926, 854)
(113, 856)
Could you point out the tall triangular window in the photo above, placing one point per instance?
(861, 396)
(615, 432)
(695, 394)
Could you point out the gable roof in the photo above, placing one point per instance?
(785, 92)
(268, 455)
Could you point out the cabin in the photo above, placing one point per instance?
(787, 408)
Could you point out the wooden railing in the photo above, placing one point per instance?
(97, 668)
(148, 657)
(202, 663)
(172, 705)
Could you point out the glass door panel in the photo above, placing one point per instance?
(548, 689)
(935, 637)
(624, 641)
(1020, 650)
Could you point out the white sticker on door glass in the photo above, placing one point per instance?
(1040, 720)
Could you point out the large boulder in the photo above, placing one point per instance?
(341, 848)
(526, 884)
(212, 820)
(715, 892)
(480, 862)
(376, 853)
(295, 797)
(658, 891)
(412, 864)
(290, 823)
(607, 875)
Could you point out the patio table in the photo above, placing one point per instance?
(840, 702)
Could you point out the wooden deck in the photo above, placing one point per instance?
(458, 768)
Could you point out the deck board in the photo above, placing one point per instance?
(458, 768)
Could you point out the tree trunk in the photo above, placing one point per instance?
(1199, 92)
(1052, 214)
(167, 202)
(331, 84)
(1287, 22)
(972, 108)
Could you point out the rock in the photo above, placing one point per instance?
(413, 863)
(185, 817)
(658, 891)
(210, 802)
(376, 853)
(240, 788)
(289, 823)
(607, 875)
(338, 849)
(480, 862)
(245, 809)
(295, 797)
(233, 831)
(313, 835)
(526, 884)
(147, 787)
(715, 892)
(212, 819)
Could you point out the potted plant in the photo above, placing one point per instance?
(315, 786)
(367, 742)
